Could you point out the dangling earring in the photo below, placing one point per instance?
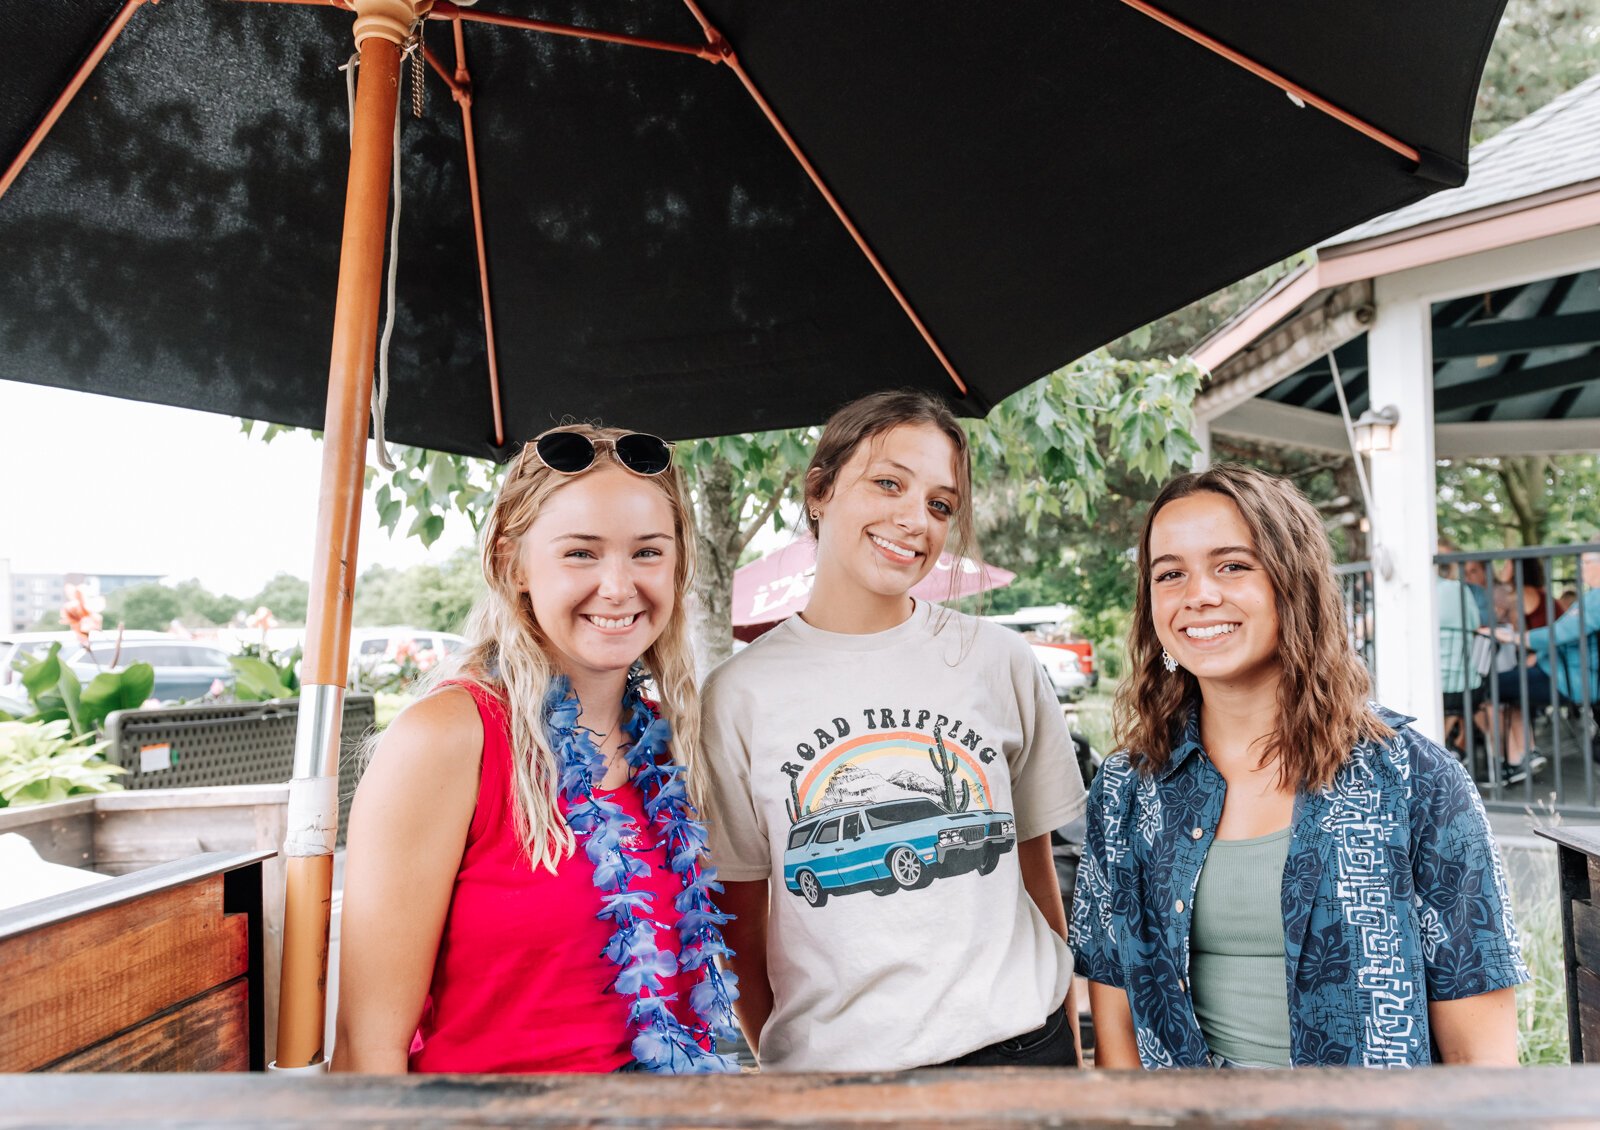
(1168, 662)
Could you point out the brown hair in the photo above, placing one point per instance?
(1323, 689)
(870, 416)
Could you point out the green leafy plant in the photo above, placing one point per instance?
(43, 761)
(58, 695)
(259, 676)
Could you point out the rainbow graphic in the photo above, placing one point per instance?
(880, 750)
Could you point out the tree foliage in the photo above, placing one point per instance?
(423, 596)
(1543, 48)
(1517, 501)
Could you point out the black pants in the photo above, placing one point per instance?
(1049, 1045)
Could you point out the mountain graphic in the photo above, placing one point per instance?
(914, 783)
(852, 784)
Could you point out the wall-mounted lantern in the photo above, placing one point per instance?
(1375, 429)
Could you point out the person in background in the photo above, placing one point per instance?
(1534, 613)
(1475, 575)
(1276, 872)
(1575, 676)
(1459, 675)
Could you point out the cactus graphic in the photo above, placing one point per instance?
(794, 805)
(945, 762)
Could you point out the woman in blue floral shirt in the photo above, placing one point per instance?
(1276, 872)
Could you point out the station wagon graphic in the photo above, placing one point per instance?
(891, 845)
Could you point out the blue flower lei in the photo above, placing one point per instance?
(661, 1042)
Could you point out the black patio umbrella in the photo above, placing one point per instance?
(707, 219)
(1037, 178)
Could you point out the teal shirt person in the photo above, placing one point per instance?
(1458, 622)
(1576, 636)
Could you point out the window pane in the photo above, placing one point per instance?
(902, 812)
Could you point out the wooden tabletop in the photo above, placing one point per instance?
(1011, 1098)
(1579, 837)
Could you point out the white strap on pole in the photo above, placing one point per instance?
(380, 407)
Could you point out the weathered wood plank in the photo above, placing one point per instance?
(61, 833)
(128, 836)
(1586, 933)
(977, 1098)
(1586, 1014)
(209, 1033)
(78, 981)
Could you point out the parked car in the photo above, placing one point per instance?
(19, 647)
(1065, 668)
(892, 845)
(184, 668)
(1046, 628)
(375, 653)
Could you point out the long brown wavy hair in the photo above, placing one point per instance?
(1323, 688)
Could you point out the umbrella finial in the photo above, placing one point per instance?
(388, 19)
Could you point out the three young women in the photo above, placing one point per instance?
(524, 888)
(884, 776)
(1277, 872)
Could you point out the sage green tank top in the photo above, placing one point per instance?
(1236, 961)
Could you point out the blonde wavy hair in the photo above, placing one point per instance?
(509, 656)
(1323, 688)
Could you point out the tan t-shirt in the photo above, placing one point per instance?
(883, 782)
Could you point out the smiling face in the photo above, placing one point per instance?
(1212, 603)
(598, 566)
(885, 522)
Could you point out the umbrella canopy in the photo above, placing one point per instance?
(778, 585)
(656, 257)
(1035, 177)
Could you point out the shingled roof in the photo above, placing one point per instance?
(1557, 146)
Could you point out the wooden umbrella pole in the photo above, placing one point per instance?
(381, 27)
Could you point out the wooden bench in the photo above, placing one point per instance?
(157, 970)
(1578, 855)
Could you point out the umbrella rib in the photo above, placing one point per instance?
(445, 10)
(460, 85)
(728, 56)
(719, 50)
(70, 91)
(1293, 89)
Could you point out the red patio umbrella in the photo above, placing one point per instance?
(770, 590)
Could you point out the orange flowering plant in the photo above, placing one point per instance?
(82, 612)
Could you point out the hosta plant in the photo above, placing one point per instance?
(42, 762)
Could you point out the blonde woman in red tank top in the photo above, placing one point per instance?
(525, 889)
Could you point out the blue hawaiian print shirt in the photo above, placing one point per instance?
(1393, 896)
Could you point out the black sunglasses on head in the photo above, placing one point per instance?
(570, 453)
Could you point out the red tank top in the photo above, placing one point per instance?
(521, 983)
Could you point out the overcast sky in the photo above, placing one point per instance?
(92, 484)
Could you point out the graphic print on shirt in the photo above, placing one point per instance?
(890, 804)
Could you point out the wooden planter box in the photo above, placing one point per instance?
(1578, 855)
(156, 970)
(128, 833)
